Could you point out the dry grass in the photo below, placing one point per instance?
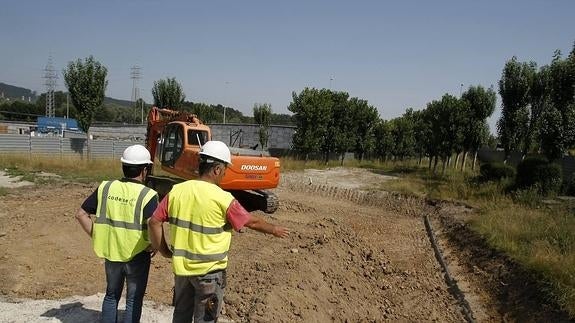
(542, 239)
(69, 167)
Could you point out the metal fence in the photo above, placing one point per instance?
(57, 146)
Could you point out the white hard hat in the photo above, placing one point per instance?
(217, 150)
(136, 155)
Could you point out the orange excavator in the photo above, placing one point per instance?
(175, 138)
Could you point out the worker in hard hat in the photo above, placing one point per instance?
(201, 217)
(120, 209)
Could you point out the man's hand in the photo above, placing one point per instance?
(156, 234)
(280, 232)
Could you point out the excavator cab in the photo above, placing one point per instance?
(180, 147)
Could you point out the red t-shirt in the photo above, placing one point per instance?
(236, 215)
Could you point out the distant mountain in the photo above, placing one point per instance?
(12, 92)
(8, 91)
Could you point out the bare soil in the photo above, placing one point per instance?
(354, 255)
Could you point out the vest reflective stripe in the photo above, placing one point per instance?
(195, 227)
(137, 224)
(199, 231)
(195, 256)
(123, 225)
(120, 230)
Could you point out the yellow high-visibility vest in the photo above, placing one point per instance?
(120, 231)
(198, 230)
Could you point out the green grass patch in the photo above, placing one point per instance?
(69, 168)
(541, 239)
(290, 164)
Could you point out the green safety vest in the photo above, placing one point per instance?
(120, 231)
(198, 231)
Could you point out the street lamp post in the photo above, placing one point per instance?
(460, 90)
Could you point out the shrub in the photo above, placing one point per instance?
(570, 187)
(495, 172)
(550, 179)
(528, 197)
(538, 171)
(527, 173)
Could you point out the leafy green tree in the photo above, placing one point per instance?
(205, 112)
(383, 140)
(59, 102)
(86, 83)
(262, 116)
(480, 105)
(403, 135)
(168, 93)
(446, 120)
(551, 133)
(540, 97)
(365, 117)
(21, 111)
(340, 135)
(514, 89)
(311, 109)
(562, 93)
(281, 119)
(420, 132)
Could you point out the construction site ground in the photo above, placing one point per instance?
(354, 255)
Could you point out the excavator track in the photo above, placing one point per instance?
(256, 200)
(272, 202)
(261, 200)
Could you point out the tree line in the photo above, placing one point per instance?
(538, 116)
(538, 106)
(164, 92)
(331, 122)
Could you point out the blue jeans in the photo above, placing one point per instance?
(199, 298)
(135, 273)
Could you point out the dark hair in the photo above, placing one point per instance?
(132, 171)
(207, 164)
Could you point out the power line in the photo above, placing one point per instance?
(50, 78)
(135, 75)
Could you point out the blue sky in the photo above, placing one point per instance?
(395, 54)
